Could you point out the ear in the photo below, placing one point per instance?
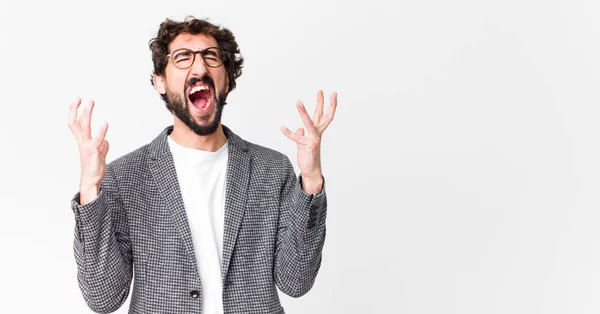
(227, 85)
(159, 84)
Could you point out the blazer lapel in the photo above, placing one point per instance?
(164, 174)
(237, 179)
(236, 189)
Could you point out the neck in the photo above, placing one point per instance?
(185, 137)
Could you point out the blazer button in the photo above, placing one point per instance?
(194, 294)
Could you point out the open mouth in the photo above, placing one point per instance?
(201, 96)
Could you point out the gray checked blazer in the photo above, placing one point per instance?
(137, 230)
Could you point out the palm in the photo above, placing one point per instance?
(92, 151)
(309, 141)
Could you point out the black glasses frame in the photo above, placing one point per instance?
(202, 53)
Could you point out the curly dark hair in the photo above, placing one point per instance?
(169, 29)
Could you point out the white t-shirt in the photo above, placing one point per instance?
(201, 176)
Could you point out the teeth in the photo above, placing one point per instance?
(198, 88)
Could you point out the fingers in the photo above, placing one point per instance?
(288, 133)
(318, 123)
(319, 108)
(308, 123)
(332, 106)
(81, 128)
(104, 148)
(99, 139)
(73, 117)
(297, 137)
(330, 112)
(84, 121)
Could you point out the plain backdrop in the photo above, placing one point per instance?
(462, 167)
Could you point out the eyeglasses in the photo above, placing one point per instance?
(183, 58)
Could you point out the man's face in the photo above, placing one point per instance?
(195, 95)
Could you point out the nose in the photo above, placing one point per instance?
(198, 68)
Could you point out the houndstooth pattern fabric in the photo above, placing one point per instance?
(137, 231)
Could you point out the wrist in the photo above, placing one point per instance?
(88, 193)
(312, 184)
(313, 175)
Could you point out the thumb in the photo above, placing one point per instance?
(104, 147)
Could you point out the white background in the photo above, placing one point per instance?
(462, 166)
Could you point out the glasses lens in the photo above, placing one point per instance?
(213, 57)
(183, 58)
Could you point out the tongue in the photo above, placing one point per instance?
(200, 103)
(200, 99)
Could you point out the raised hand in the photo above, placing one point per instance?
(309, 141)
(92, 151)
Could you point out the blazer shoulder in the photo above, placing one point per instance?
(132, 160)
(265, 154)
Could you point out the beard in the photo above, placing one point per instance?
(180, 107)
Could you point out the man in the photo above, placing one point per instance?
(204, 221)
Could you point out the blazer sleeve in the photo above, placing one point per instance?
(301, 235)
(102, 248)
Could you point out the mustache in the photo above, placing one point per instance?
(205, 79)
